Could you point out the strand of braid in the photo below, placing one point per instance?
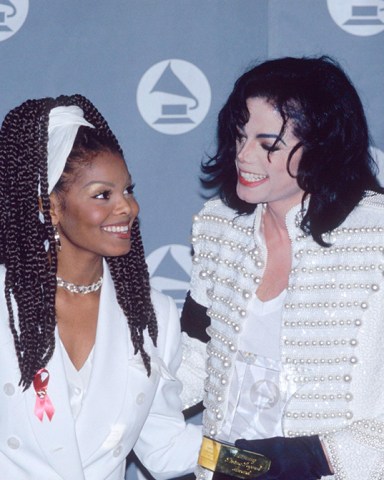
(134, 292)
(30, 281)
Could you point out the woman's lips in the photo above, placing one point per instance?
(122, 231)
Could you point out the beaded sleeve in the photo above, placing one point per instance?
(191, 372)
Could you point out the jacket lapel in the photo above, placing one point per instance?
(108, 383)
(57, 438)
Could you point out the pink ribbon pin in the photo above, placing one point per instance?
(43, 402)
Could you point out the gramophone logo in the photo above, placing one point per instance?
(173, 96)
(170, 269)
(12, 16)
(359, 17)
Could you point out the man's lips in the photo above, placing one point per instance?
(248, 178)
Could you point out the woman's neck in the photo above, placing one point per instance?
(80, 271)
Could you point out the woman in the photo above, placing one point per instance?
(288, 266)
(88, 352)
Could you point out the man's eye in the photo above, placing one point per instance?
(240, 138)
(270, 148)
(240, 142)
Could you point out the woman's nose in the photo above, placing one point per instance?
(127, 206)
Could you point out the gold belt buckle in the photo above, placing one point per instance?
(230, 460)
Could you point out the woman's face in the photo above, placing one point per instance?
(95, 214)
(261, 164)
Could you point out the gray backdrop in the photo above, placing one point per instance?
(160, 70)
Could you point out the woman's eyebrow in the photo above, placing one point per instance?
(99, 182)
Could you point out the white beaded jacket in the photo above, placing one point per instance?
(332, 332)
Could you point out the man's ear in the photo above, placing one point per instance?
(55, 208)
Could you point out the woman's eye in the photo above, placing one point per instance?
(130, 189)
(105, 195)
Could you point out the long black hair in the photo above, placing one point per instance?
(320, 102)
(30, 279)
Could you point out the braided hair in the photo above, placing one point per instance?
(30, 278)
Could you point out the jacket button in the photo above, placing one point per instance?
(140, 398)
(117, 451)
(9, 389)
(13, 443)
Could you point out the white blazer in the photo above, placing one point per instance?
(122, 409)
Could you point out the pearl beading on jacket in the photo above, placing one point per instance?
(319, 348)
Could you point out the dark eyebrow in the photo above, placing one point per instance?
(271, 135)
(105, 183)
(100, 182)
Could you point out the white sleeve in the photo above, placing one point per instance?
(167, 446)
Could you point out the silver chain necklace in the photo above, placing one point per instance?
(82, 289)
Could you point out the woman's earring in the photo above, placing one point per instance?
(57, 238)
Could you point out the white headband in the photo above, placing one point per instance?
(63, 125)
